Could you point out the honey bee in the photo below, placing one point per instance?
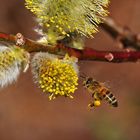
(99, 92)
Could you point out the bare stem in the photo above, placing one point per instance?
(122, 34)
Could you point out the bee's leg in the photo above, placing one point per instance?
(91, 105)
(96, 96)
(92, 95)
(96, 101)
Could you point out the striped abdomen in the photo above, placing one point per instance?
(109, 97)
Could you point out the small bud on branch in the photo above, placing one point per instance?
(86, 54)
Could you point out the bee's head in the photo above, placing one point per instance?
(87, 81)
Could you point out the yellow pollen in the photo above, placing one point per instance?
(57, 77)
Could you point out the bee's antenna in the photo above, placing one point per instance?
(83, 75)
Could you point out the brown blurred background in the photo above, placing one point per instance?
(26, 114)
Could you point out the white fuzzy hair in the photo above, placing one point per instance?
(38, 57)
(8, 72)
(36, 63)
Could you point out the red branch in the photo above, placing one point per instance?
(86, 54)
(109, 56)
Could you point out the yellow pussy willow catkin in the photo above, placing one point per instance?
(58, 77)
(61, 17)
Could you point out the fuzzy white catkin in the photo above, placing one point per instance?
(11, 61)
